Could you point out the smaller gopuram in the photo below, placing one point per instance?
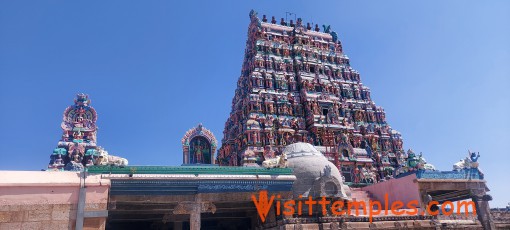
(78, 142)
(198, 146)
(77, 147)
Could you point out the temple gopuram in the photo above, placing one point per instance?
(297, 85)
(304, 147)
(77, 148)
(78, 143)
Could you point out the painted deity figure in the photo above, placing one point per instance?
(200, 151)
(270, 122)
(367, 176)
(315, 108)
(270, 137)
(270, 107)
(301, 123)
(294, 124)
(59, 161)
(268, 152)
(473, 156)
(412, 160)
(345, 138)
(78, 135)
(256, 138)
(287, 138)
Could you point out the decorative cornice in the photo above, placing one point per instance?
(179, 187)
(186, 170)
(199, 177)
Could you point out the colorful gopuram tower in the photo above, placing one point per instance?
(77, 148)
(78, 142)
(297, 85)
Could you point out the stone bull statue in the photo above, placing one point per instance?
(462, 164)
(107, 159)
(277, 162)
(471, 161)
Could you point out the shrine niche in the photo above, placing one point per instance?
(198, 146)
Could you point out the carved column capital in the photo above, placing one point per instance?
(190, 207)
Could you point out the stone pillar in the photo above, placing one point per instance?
(186, 155)
(194, 220)
(194, 209)
(425, 199)
(483, 211)
(81, 202)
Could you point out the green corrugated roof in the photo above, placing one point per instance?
(188, 169)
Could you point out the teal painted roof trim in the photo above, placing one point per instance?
(226, 170)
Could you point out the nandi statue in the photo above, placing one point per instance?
(277, 162)
(429, 167)
(424, 165)
(462, 164)
(469, 162)
(106, 159)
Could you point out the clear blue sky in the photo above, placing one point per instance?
(154, 69)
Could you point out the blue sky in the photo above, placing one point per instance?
(441, 70)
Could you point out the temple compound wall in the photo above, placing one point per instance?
(403, 189)
(51, 200)
(165, 197)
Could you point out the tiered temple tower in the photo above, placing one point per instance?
(297, 85)
(78, 142)
(77, 148)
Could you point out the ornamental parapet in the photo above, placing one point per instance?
(465, 174)
(462, 174)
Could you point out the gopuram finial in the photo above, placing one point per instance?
(82, 99)
(253, 14)
(254, 18)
